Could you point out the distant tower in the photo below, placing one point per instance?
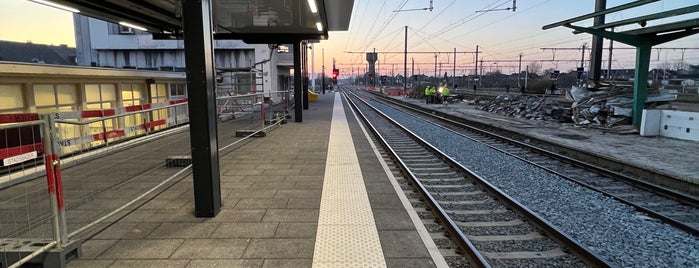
(371, 59)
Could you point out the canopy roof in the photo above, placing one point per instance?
(253, 21)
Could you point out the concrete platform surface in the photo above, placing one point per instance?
(272, 191)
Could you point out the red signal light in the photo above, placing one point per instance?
(336, 72)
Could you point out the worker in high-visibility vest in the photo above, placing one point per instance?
(433, 95)
(445, 94)
(427, 94)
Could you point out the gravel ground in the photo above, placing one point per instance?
(613, 230)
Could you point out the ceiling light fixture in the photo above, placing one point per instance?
(312, 5)
(319, 26)
(133, 26)
(59, 6)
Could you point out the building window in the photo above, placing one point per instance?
(50, 98)
(55, 98)
(132, 94)
(125, 30)
(158, 93)
(177, 91)
(11, 100)
(98, 97)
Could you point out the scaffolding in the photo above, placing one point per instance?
(238, 92)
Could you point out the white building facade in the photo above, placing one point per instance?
(105, 44)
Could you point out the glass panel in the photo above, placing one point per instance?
(108, 92)
(162, 90)
(44, 95)
(94, 106)
(126, 95)
(48, 109)
(92, 93)
(153, 91)
(66, 94)
(11, 97)
(138, 93)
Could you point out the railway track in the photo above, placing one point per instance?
(672, 207)
(487, 225)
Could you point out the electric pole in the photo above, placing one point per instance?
(453, 75)
(519, 74)
(596, 50)
(405, 62)
(435, 67)
(477, 75)
(322, 80)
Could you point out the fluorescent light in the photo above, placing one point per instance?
(312, 5)
(59, 6)
(133, 26)
(319, 26)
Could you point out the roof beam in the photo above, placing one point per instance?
(670, 27)
(595, 14)
(643, 19)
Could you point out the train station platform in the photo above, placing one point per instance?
(310, 194)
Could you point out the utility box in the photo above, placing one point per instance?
(668, 123)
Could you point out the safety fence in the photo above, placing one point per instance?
(28, 228)
(84, 131)
(33, 221)
(98, 165)
(258, 106)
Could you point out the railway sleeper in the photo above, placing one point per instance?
(477, 212)
(458, 194)
(450, 186)
(548, 254)
(433, 174)
(489, 224)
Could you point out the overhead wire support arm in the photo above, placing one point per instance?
(417, 9)
(513, 8)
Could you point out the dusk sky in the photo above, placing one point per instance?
(501, 35)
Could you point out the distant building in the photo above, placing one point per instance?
(37, 53)
(105, 44)
(619, 74)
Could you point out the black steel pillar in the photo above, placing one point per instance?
(596, 58)
(201, 87)
(304, 73)
(298, 87)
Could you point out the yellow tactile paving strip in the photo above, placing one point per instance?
(347, 235)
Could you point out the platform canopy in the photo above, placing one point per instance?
(643, 38)
(253, 21)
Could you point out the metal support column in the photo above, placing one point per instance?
(304, 73)
(640, 90)
(596, 50)
(298, 87)
(198, 43)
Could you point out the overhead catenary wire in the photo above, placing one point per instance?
(421, 39)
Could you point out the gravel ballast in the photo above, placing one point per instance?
(614, 231)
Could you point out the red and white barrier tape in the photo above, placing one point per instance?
(114, 133)
(115, 111)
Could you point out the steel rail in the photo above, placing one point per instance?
(449, 225)
(655, 189)
(586, 255)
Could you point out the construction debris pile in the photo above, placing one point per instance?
(529, 107)
(608, 105)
